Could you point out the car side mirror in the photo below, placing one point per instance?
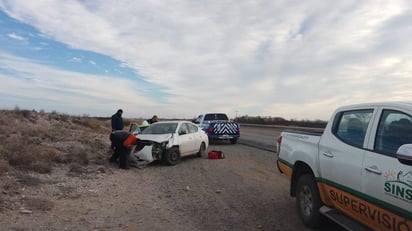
(404, 154)
(182, 133)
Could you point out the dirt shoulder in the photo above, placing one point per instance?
(242, 192)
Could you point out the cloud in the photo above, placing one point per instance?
(70, 93)
(291, 58)
(17, 37)
(76, 60)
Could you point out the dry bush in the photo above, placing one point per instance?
(91, 123)
(28, 180)
(35, 140)
(28, 156)
(10, 185)
(4, 167)
(2, 204)
(41, 204)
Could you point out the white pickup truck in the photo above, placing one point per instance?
(358, 172)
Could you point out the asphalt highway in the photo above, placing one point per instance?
(261, 137)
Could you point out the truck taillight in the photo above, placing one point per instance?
(279, 139)
(210, 129)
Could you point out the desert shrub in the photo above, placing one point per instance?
(2, 204)
(50, 154)
(41, 204)
(41, 167)
(63, 117)
(4, 167)
(87, 122)
(34, 141)
(21, 158)
(80, 156)
(22, 113)
(29, 157)
(10, 185)
(28, 180)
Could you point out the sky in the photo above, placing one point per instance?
(180, 58)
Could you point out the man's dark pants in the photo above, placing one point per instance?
(120, 151)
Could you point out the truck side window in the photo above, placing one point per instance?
(352, 125)
(394, 130)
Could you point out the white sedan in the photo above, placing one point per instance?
(169, 141)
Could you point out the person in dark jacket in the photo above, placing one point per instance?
(123, 142)
(154, 119)
(117, 121)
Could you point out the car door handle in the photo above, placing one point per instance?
(327, 154)
(374, 169)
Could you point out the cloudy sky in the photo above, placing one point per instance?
(177, 58)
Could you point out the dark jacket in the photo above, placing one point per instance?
(117, 122)
(118, 137)
(151, 121)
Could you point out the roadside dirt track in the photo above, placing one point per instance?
(244, 191)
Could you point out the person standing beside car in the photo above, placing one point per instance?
(117, 121)
(117, 125)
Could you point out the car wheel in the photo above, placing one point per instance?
(202, 150)
(172, 156)
(233, 141)
(308, 201)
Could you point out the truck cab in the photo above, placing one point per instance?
(361, 167)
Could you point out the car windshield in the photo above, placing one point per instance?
(160, 128)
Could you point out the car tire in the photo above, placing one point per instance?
(233, 141)
(308, 201)
(202, 150)
(172, 156)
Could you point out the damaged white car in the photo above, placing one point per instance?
(168, 141)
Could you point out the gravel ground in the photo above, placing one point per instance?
(244, 191)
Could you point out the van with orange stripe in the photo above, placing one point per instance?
(358, 172)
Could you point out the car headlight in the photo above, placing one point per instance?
(157, 149)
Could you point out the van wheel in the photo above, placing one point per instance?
(172, 156)
(202, 150)
(308, 201)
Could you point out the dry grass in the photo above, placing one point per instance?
(41, 204)
(36, 141)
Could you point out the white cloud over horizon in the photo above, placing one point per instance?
(291, 59)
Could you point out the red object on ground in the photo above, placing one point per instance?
(216, 155)
(213, 155)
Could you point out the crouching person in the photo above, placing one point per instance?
(122, 141)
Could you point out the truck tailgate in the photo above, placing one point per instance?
(297, 146)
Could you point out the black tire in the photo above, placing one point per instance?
(202, 150)
(233, 141)
(308, 201)
(172, 156)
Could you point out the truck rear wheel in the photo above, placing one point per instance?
(233, 141)
(308, 201)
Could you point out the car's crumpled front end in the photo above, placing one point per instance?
(147, 151)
